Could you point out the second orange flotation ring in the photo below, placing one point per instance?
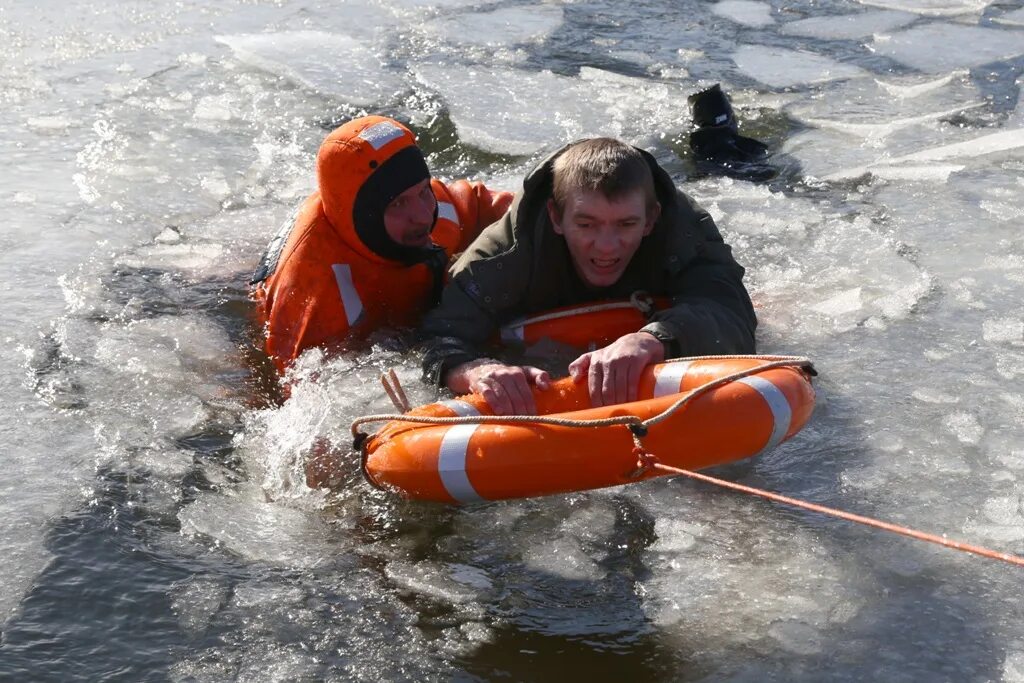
(585, 325)
(470, 463)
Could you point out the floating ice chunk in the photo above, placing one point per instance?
(965, 427)
(563, 557)
(927, 395)
(1013, 665)
(986, 144)
(1003, 211)
(168, 235)
(216, 185)
(182, 257)
(674, 535)
(1003, 331)
(196, 602)
(255, 529)
(963, 46)
(847, 26)
(933, 8)
(934, 173)
(780, 68)
(49, 124)
(214, 108)
(439, 4)
(745, 12)
(497, 109)
(908, 90)
(1014, 18)
(797, 637)
(329, 63)
(867, 108)
(842, 303)
(431, 580)
(1001, 520)
(507, 26)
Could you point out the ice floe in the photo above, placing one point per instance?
(506, 26)
(514, 111)
(935, 8)
(333, 64)
(745, 12)
(781, 68)
(962, 46)
(847, 26)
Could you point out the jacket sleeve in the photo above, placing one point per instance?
(455, 332)
(711, 312)
(477, 207)
(482, 284)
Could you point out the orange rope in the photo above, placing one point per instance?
(648, 461)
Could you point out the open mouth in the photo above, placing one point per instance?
(605, 265)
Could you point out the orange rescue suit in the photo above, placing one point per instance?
(320, 284)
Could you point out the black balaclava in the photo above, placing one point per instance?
(396, 175)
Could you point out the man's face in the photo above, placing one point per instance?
(603, 234)
(410, 216)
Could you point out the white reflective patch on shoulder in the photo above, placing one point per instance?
(460, 408)
(451, 464)
(381, 134)
(349, 295)
(670, 378)
(447, 211)
(776, 400)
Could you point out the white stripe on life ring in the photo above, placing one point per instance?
(451, 464)
(460, 408)
(349, 296)
(447, 211)
(782, 414)
(670, 378)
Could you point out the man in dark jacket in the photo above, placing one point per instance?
(596, 220)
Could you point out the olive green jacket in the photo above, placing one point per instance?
(519, 266)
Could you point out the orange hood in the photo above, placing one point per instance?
(361, 167)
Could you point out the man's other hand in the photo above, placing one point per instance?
(613, 373)
(506, 388)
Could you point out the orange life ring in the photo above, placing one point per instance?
(469, 463)
(595, 324)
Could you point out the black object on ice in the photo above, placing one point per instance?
(718, 147)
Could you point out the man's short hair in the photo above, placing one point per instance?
(606, 165)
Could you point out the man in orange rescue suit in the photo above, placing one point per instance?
(596, 220)
(369, 248)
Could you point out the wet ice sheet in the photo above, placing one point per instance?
(848, 26)
(962, 46)
(837, 270)
(256, 530)
(931, 7)
(993, 143)
(334, 64)
(782, 68)
(506, 26)
(1014, 18)
(513, 111)
(745, 12)
(871, 123)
